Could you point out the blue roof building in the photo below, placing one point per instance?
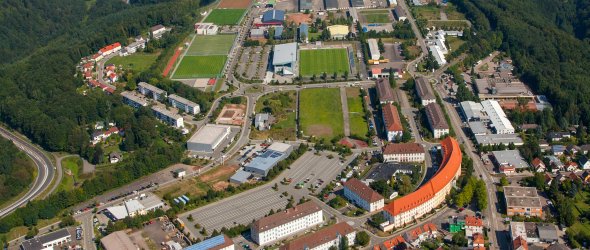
(240, 177)
(269, 158)
(278, 32)
(303, 32)
(273, 17)
(217, 242)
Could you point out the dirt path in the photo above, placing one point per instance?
(345, 111)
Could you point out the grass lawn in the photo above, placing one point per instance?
(137, 62)
(216, 178)
(321, 112)
(225, 16)
(72, 166)
(454, 42)
(453, 13)
(427, 12)
(200, 66)
(376, 16)
(580, 207)
(211, 45)
(356, 113)
(451, 25)
(318, 61)
(282, 105)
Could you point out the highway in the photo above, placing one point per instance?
(45, 171)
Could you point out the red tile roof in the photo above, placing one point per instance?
(450, 167)
(391, 118)
(376, 70)
(110, 47)
(478, 239)
(393, 242)
(472, 221)
(402, 148)
(537, 162)
(362, 190)
(320, 237)
(283, 217)
(519, 242)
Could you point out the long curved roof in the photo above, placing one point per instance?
(451, 163)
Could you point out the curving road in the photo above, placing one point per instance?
(45, 171)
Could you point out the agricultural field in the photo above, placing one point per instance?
(225, 16)
(356, 114)
(376, 16)
(200, 67)
(316, 62)
(137, 62)
(282, 106)
(211, 45)
(321, 113)
(427, 12)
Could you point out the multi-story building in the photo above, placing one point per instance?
(286, 223)
(184, 104)
(436, 120)
(133, 99)
(169, 117)
(151, 91)
(323, 239)
(498, 120)
(384, 91)
(473, 225)
(110, 49)
(424, 91)
(158, 31)
(392, 121)
(362, 195)
(430, 195)
(403, 152)
(522, 201)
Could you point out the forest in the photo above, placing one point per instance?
(16, 171)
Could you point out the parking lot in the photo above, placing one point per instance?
(256, 203)
(253, 62)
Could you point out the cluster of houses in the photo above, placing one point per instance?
(411, 239)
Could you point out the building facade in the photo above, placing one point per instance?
(362, 195)
(151, 91)
(424, 91)
(169, 117)
(522, 201)
(392, 121)
(184, 104)
(436, 120)
(323, 239)
(403, 152)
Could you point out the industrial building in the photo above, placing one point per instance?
(305, 5)
(325, 238)
(338, 32)
(240, 177)
(286, 223)
(374, 49)
(472, 111)
(151, 91)
(502, 87)
(424, 91)
(403, 152)
(362, 195)
(522, 201)
(118, 240)
(169, 117)
(58, 240)
(284, 58)
(437, 47)
(331, 4)
(219, 242)
(392, 122)
(436, 120)
(208, 138)
(384, 91)
(269, 158)
(534, 232)
(140, 205)
(133, 99)
(509, 158)
(273, 18)
(184, 104)
(498, 120)
(359, 4)
(303, 33)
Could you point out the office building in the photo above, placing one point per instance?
(522, 201)
(362, 195)
(403, 152)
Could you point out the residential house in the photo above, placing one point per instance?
(397, 242)
(115, 157)
(555, 163)
(418, 235)
(571, 166)
(478, 240)
(584, 149)
(586, 177)
(584, 162)
(548, 179)
(558, 136)
(158, 31)
(538, 165)
(557, 150)
(507, 169)
(473, 225)
(572, 150)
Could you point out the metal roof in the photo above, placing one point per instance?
(511, 157)
(273, 16)
(241, 176)
(285, 54)
(208, 243)
(266, 160)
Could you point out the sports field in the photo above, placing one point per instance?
(225, 16)
(211, 45)
(321, 112)
(200, 66)
(318, 61)
(376, 16)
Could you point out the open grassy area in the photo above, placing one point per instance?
(216, 178)
(282, 106)
(427, 12)
(449, 25)
(225, 16)
(321, 112)
(200, 66)
(211, 45)
(454, 42)
(318, 61)
(453, 13)
(72, 166)
(137, 62)
(356, 113)
(376, 16)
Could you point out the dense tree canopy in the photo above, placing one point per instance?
(16, 170)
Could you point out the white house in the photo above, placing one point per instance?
(403, 152)
(362, 195)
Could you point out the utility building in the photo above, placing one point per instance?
(284, 59)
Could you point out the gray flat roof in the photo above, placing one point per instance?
(284, 54)
(266, 160)
(37, 242)
(163, 110)
(151, 87)
(135, 97)
(478, 128)
(511, 157)
(496, 139)
(472, 110)
(523, 202)
(209, 134)
(280, 147)
(241, 176)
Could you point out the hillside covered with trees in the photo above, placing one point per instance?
(16, 171)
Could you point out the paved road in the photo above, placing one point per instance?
(45, 171)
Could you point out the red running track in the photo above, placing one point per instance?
(171, 62)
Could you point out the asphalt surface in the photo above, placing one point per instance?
(45, 171)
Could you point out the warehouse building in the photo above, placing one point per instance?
(359, 4)
(134, 100)
(151, 91)
(269, 158)
(118, 240)
(208, 138)
(331, 4)
(338, 32)
(472, 111)
(498, 120)
(509, 158)
(184, 104)
(424, 91)
(436, 120)
(58, 239)
(374, 49)
(240, 177)
(305, 5)
(169, 117)
(289, 222)
(400, 13)
(284, 59)
(497, 139)
(273, 18)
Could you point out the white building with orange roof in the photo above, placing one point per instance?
(362, 195)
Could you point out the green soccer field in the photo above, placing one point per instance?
(225, 16)
(321, 112)
(316, 62)
(211, 45)
(376, 16)
(200, 67)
